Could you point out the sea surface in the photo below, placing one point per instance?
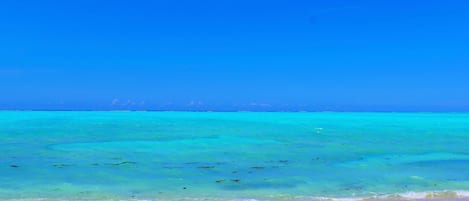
(233, 155)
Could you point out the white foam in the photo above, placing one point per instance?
(411, 195)
(407, 196)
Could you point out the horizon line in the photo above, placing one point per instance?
(231, 111)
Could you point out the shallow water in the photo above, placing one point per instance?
(175, 155)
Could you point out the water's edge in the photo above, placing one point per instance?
(457, 195)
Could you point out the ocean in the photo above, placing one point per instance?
(92, 155)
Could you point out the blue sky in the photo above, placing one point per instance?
(235, 55)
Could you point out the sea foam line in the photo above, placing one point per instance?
(407, 196)
(411, 195)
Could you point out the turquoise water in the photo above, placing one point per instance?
(174, 155)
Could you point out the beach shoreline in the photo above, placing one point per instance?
(453, 195)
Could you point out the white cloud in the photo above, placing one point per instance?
(195, 103)
(117, 102)
(259, 104)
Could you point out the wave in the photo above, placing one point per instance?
(445, 195)
(460, 195)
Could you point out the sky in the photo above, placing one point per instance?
(259, 55)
